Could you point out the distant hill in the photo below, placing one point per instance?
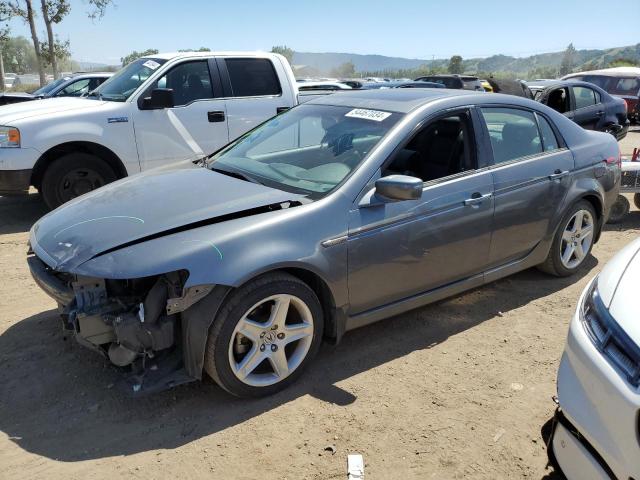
(325, 62)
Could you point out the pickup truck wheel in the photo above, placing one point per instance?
(619, 210)
(264, 336)
(73, 175)
(572, 242)
(636, 200)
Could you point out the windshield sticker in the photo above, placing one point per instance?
(151, 64)
(375, 115)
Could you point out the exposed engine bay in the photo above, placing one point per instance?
(135, 323)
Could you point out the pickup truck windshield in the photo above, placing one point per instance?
(126, 81)
(310, 150)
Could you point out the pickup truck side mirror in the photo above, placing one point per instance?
(160, 98)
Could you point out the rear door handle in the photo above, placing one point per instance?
(558, 174)
(477, 198)
(217, 116)
(600, 113)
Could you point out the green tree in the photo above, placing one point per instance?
(346, 70)
(5, 17)
(455, 64)
(624, 62)
(24, 9)
(53, 11)
(568, 60)
(201, 49)
(283, 50)
(136, 55)
(97, 8)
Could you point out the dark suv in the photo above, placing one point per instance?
(623, 82)
(460, 82)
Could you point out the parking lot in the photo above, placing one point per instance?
(461, 388)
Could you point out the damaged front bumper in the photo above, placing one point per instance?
(136, 324)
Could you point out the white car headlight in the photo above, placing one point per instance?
(608, 337)
(9, 137)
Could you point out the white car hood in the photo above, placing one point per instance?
(619, 285)
(10, 114)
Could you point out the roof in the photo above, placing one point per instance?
(402, 100)
(172, 55)
(616, 71)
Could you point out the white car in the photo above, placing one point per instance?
(597, 430)
(156, 110)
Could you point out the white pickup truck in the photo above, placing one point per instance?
(158, 109)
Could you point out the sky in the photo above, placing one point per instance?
(408, 28)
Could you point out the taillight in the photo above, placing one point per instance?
(617, 160)
(626, 105)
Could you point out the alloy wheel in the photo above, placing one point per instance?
(271, 340)
(576, 239)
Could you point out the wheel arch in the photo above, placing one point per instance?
(48, 157)
(198, 318)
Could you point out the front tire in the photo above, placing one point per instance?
(73, 175)
(572, 242)
(636, 200)
(264, 335)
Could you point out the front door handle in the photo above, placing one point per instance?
(600, 113)
(217, 116)
(280, 110)
(558, 174)
(477, 198)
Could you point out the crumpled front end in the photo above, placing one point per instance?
(135, 323)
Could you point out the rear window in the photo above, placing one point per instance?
(585, 97)
(514, 133)
(252, 77)
(614, 85)
(448, 82)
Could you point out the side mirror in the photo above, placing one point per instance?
(160, 98)
(399, 187)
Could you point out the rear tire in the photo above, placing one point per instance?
(72, 175)
(264, 336)
(572, 242)
(636, 200)
(620, 209)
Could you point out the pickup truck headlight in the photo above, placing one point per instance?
(9, 137)
(609, 337)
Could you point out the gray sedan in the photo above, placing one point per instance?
(336, 214)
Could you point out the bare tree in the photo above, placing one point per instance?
(28, 15)
(53, 11)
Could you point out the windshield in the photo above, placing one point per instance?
(310, 150)
(50, 87)
(126, 81)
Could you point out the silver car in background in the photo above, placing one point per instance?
(338, 213)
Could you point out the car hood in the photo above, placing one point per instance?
(618, 285)
(9, 114)
(143, 207)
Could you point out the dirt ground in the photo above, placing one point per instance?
(459, 389)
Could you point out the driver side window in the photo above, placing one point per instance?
(190, 81)
(75, 89)
(442, 148)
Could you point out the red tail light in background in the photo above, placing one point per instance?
(617, 160)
